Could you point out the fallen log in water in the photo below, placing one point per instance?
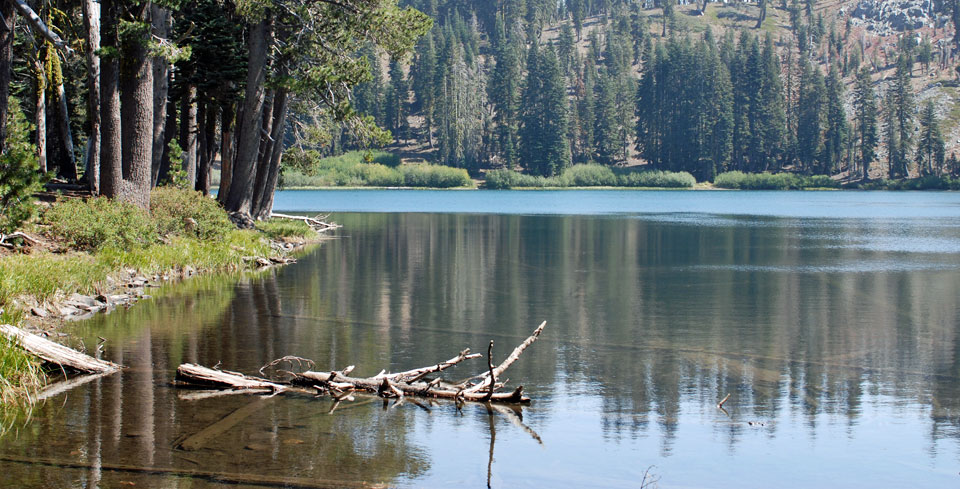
(317, 223)
(200, 375)
(482, 387)
(56, 353)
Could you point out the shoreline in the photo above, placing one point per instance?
(50, 280)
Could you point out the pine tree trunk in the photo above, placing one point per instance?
(91, 22)
(281, 106)
(137, 117)
(68, 167)
(206, 136)
(188, 133)
(7, 27)
(40, 110)
(248, 141)
(226, 151)
(263, 153)
(169, 130)
(111, 177)
(162, 23)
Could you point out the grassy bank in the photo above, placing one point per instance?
(772, 181)
(90, 243)
(306, 169)
(591, 175)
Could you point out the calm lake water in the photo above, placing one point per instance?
(830, 318)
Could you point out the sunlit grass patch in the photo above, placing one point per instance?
(286, 228)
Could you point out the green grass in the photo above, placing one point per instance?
(113, 237)
(591, 175)
(285, 228)
(20, 379)
(772, 181)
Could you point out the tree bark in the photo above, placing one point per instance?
(56, 353)
(188, 133)
(169, 131)
(162, 24)
(245, 161)
(111, 176)
(207, 147)
(137, 117)
(40, 109)
(68, 166)
(91, 23)
(226, 151)
(7, 28)
(263, 153)
(281, 106)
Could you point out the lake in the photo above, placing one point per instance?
(830, 318)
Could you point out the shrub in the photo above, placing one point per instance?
(928, 182)
(97, 223)
(379, 175)
(435, 176)
(657, 179)
(19, 171)
(500, 179)
(171, 207)
(772, 181)
(588, 175)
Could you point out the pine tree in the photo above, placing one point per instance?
(368, 96)
(585, 95)
(566, 49)
(605, 125)
(544, 148)
(891, 136)
(865, 116)
(424, 83)
(505, 85)
(930, 147)
(837, 129)
(810, 118)
(772, 118)
(901, 102)
(395, 101)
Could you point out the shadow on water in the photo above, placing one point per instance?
(829, 355)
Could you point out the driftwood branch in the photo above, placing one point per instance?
(316, 223)
(56, 353)
(339, 384)
(725, 399)
(199, 375)
(498, 371)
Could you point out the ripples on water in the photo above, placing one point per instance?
(836, 334)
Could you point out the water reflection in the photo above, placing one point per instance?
(841, 361)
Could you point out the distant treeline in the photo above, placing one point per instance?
(538, 85)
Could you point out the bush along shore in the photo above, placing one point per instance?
(307, 169)
(81, 257)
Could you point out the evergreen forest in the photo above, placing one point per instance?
(697, 87)
(121, 96)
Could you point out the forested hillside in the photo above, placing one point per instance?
(854, 90)
(123, 96)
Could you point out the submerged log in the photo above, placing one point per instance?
(56, 353)
(483, 387)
